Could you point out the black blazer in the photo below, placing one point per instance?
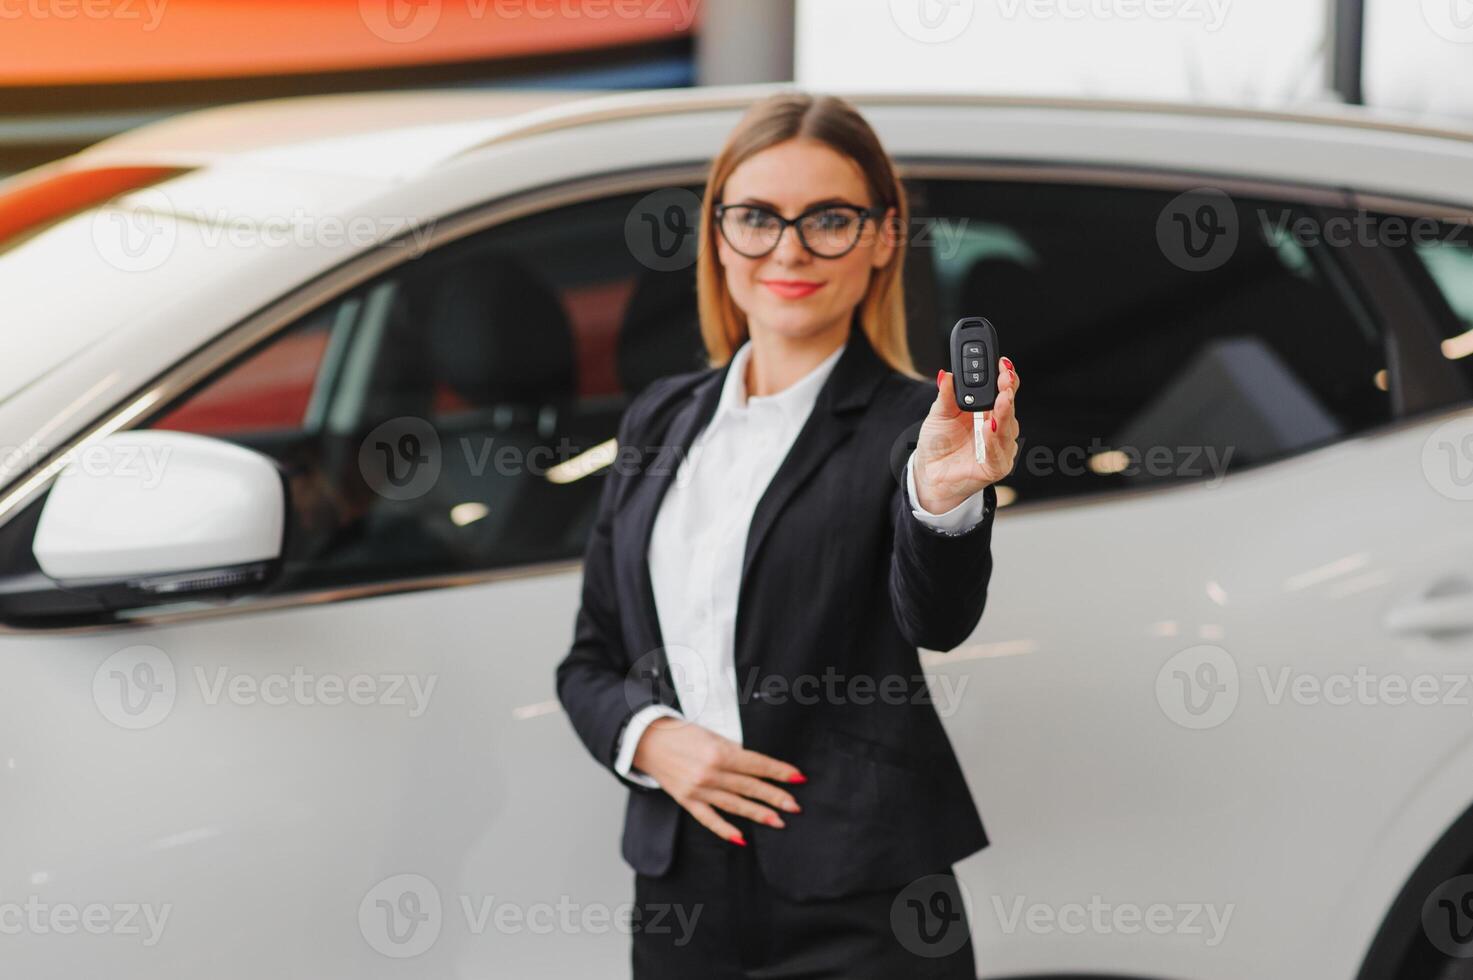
(839, 581)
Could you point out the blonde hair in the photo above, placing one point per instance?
(835, 122)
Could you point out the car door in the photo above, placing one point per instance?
(1218, 514)
(363, 771)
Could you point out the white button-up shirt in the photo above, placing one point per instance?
(699, 540)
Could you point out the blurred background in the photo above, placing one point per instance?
(75, 71)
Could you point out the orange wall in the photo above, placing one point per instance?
(145, 40)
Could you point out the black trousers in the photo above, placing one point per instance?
(712, 916)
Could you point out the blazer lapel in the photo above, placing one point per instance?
(649, 491)
(836, 411)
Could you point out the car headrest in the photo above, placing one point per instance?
(497, 333)
(661, 334)
(1010, 295)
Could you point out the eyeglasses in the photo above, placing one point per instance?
(829, 231)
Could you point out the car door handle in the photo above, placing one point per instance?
(1446, 608)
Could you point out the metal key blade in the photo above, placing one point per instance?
(979, 435)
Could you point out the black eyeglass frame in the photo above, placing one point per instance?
(865, 214)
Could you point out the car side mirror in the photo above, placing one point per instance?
(149, 516)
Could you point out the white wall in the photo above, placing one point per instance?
(1419, 56)
(1259, 52)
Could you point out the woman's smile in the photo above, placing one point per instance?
(792, 288)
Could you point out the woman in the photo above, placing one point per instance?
(795, 806)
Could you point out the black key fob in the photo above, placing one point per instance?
(974, 358)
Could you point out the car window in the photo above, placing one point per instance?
(454, 414)
(1444, 270)
(1163, 337)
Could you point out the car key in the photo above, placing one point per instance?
(974, 373)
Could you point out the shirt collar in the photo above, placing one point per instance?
(795, 401)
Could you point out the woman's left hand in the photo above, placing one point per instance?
(946, 467)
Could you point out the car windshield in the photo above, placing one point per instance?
(72, 265)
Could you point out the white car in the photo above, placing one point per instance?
(303, 405)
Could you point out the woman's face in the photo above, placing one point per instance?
(790, 291)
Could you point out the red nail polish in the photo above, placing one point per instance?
(994, 425)
(1007, 363)
(738, 839)
(797, 777)
(939, 375)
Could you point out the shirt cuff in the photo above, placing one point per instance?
(959, 520)
(629, 741)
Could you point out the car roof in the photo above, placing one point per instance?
(368, 133)
(399, 133)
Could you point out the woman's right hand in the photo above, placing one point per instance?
(705, 771)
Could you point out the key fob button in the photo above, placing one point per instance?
(972, 350)
(974, 379)
(975, 363)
